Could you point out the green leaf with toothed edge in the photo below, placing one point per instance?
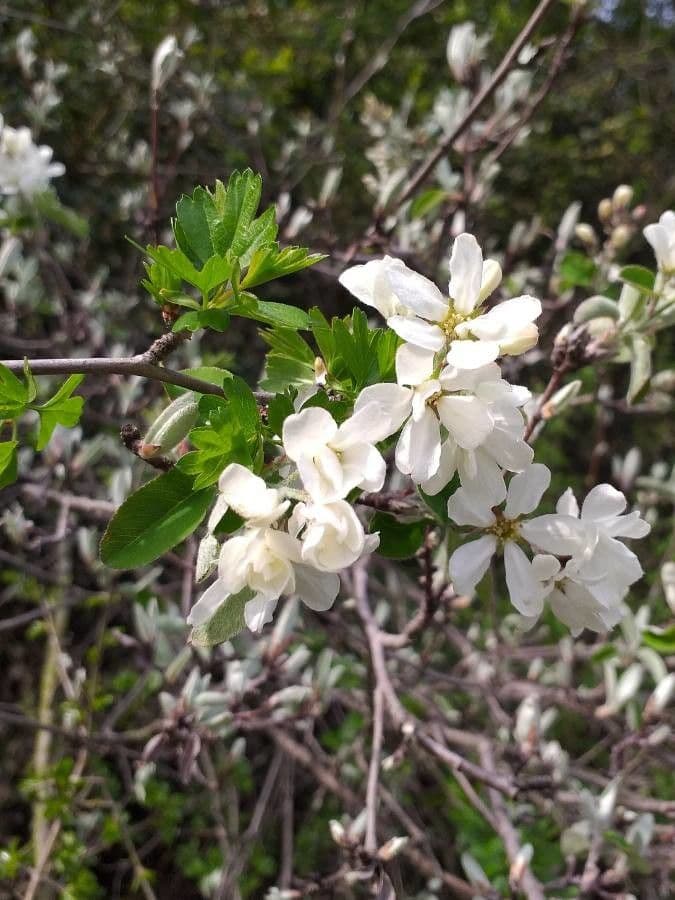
(8, 463)
(153, 520)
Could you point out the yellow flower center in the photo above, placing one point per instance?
(454, 318)
(504, 529)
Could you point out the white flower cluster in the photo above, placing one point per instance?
(588, 589)
(25, 167)
(453, 413)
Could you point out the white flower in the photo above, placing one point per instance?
(604, 565)
(369, 284)
(453, 324)
(25, 168)
(661, 235)
(248, 495)
(551, 533)
(332, 535)
(464, 49)
(334, 460)
(465, 420)
(260, 559)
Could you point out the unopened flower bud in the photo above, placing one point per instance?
(605, 210)
(561, 398)
(622, 196)
(337, 832)
(173, 424)
(585, 233)
(661, 696)
(620, 236)
(520, 864)
(164, 62)
(320, 371)
(392, 848)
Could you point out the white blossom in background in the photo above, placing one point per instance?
(463, 420)
(165, 62)
(465, 49)
(25, 167)
(453, 324)
(503, 530)
(334, 460)
(661, 236)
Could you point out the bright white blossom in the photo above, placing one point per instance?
(332, 535)
(462, 420)
(260, 558)
(464, 49)
(588, 590)
(25, 167)
(334, 460)
(454, 324)
(661, 235)
(503, 530)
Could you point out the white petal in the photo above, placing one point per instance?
(413, 364)
(416, 292)
(560, 535)
(304, 433)
(453, 379)
(483, 479)
(394, 400)
(369, 284)
(472, 354)
(511, 453)
(364, 467)
(371, 422)
(567, 505)
(446, 469)
(248, 495)
(603, 502)
(525, 591)
(470, 562)
(213, 597)
(630, 526)
(545, 566)
(506, 318)
(526, 490)
(418, 332)
(425, 447)
(467, 419)
(467, 508)
(317, 590)
(491, 278)
(466, 273)
(259, 612)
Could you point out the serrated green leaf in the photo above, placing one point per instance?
(243, 408)
(8, 463)
(398, 540)
(216, 319)
(227, 621)
(153, 520)
(194, 226)
(270, 312)
(269, 263)
(13, 394)
(61, 409)
(639, 276)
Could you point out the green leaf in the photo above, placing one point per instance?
(194, 225)
(243, 408)
(153, 520)
(660, 639)
(227, 621)
(640, 367)
(269, 263)
(8, 463)
(13, 394)
(242, 197)
(426, 202)
(639, 276)
(216, 319)
(398, 540)
(278, 409)
(270, 312)
(61, 409)
(576, 269)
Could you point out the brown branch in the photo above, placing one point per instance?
(498, 76)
